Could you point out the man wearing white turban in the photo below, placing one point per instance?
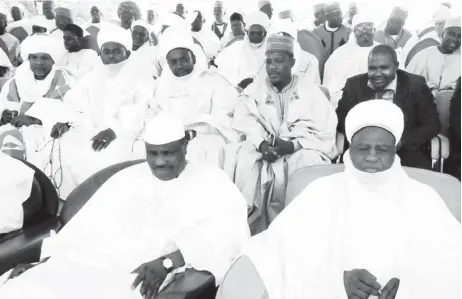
(110, 103)
(176, 216)
(143, 51)
(13, 44)
(241, 62)
(207, 38)
(440, 65)
(202, 99)
(350, 59)
(368, 231)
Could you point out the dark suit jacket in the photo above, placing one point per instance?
(413, 96)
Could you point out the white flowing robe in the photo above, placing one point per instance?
(209, 41)
(241, 60)
(205, 102)
(301, 113)
(389, 224)
(110, 97)
(133, 219)
(80, 63)
(440, 70)
(15, 188)
(347, 61)
(146, 56)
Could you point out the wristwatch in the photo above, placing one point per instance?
(168, 264)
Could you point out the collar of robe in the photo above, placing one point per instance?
(374, 182)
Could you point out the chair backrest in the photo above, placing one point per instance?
(443, 103)
(80, 195)
(49, 193)
(235, 39)
(20, 33)
(421, 45)
(448, 187)
(311, 43)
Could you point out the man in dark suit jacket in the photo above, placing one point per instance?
(409, 92)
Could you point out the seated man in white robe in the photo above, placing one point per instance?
(143, 51)
(369, 231)
(15, 188)
(202, 99)
(207, 38)
(236, 21)
(111, 102)
(350, 59)
(77, 60)
(241, 62)
(13, 44)
(175, 215)
(288, 124)
(440, 65)
(64, 16)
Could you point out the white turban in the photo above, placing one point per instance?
(143, 24)
(361, 18)
(191, 17)
(174, 38)
(286, 26)
(442, 14)
(163, 129)
(39, 43)
(452, 22)
(173, 20)
(257, 18)
(262, 3)
(375, 113)
(115, 34)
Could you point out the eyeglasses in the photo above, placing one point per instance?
(365, 28)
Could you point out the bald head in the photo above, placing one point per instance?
(384, 50)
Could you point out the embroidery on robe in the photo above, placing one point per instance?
(323, 43)
(269, 101)
(294, 96)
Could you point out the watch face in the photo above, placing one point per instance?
(167, 263)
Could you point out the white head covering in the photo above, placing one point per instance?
(173, 20)
(442, 14)
(257, 18)
(262, 3)
(163, 129)
(191, 17)
(143, 24)
(286, 26)
(116, 34)
(39, 43)
(361, 18)
(452, 22)
(375, 113)
(175, 37)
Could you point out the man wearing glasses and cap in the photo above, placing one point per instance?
(332, 33)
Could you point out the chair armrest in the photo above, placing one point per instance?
(25, 247)
(340, 142)
(445, 150)
(439, 147)
(190, 284)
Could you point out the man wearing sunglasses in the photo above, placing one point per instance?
(351, 59)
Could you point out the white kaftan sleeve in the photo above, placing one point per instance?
(245, 122)
(214, 243)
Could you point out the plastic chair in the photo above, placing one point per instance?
(311, 43)
(439, 150)
(447, 186)
(421, 45)
(443, 102)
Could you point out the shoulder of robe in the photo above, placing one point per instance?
(216, 77)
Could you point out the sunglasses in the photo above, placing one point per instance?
(365, 28)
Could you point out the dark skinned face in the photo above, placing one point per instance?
(237, 28)
(180, 10)
(95, 15)
(113, 53)
(268, 10)
(62, 22)
(151, 16)
(139, 36)
(16, 14)
(181, 62)
(279, 67)
(72, 42)
(256, 34)
(364, 34)
(40, 65)
(381, 70)
(196, 26)
(167, 161)
(451, 39)
(3, 24)
(395, 25)
(373, 150)
(334, 19)
(48, 10)
(219, 14)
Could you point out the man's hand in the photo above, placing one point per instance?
(360, 284)
(7, 117)
(390, 290)
(283, 147)
(268, 152)
(25, 120)
(103, 139)
(151, 275)
(59, 129)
